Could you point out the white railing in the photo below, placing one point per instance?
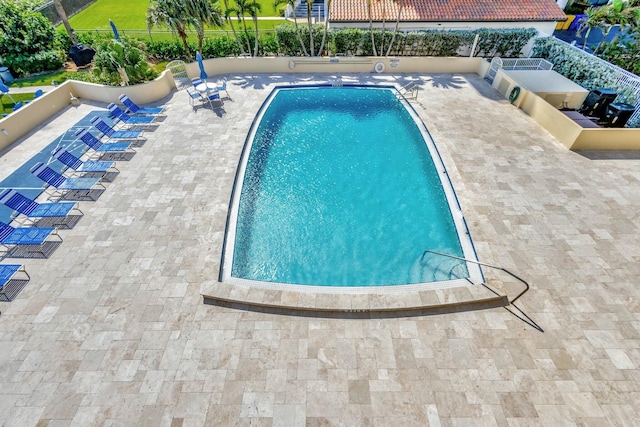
(516, 64)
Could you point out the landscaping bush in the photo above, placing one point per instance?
(503, 42)
(126, 53)
(289, 44)
(21, 65)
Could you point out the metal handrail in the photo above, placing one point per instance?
(486, 265)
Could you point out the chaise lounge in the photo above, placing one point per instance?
(28, 212)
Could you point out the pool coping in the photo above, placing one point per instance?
(423, 301)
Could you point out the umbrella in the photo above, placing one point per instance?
(5, 89)
(115, 30)
(203, 73)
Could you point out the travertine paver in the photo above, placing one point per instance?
(112, 331)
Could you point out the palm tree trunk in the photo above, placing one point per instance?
(63, 17)
(309, 10)
(295, 21)
(395, 30)
(384, 24)
(183, 36)
(246, 32)
(255, 23)
(233, 30)
(373, 40)
(326, 27)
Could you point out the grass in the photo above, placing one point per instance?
(6, 105)
(43, 79)
(129, 14)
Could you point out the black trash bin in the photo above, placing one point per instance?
(618, 114)
(82, 55)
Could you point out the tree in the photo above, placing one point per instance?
(228, 12)
(65, 22)
(112, 55)
(618, 12)
(173, 15)
(203, 12)
(309, 13)
(27, 39)
(373, 40)
(384, 24)
(292, 3)
(251, 8)
(400, 4)
(326, 27)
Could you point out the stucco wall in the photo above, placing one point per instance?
(569, 133)
(564, 129)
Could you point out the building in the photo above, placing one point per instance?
(448, 14)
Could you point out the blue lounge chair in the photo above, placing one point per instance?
(38, 93)
(194, 96)
(223, 87)
(63, 188)
(17, 106)
(28, 212)
(105, 150)
(13, 278)
(212, 97)
(132, 121)
(133, 136)
(133, 108)
(105, 170)
(28, 242)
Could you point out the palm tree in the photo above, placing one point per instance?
(326, 27)
(65, 21)
(292, 3)
(203, 13)
(309, 13)
(384, 24)
(400, 4)
(228, 11)
(242, 7)
(618, 12)
(170, 13)
(373, 40)
(253, 8)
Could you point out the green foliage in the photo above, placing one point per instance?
(220, 47)
(289, 44)
(503, 42)
(45, 60)
(624, 54)
(349, 40)
(23, 31)
(431, 43)
(127, 54)
(168, 49)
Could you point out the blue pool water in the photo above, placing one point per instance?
(32, 186)
(340, 189)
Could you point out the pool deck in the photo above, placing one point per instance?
(112, 329)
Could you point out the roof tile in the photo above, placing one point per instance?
(448, 10)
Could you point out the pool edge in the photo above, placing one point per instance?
(460, 298)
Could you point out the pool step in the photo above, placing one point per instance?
(393, 301)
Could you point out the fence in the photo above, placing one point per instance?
(70, 7)
(516, 64)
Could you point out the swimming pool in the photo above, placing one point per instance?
(343, 187)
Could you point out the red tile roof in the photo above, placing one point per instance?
(448, 10)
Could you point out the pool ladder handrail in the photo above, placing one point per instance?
(409, 91)
(527, 287)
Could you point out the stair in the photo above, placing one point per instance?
(318, 9)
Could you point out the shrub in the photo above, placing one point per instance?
(21, 65)
(126, 53)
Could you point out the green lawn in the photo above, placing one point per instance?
(131, 15)
(6, 105)
(43, 79)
